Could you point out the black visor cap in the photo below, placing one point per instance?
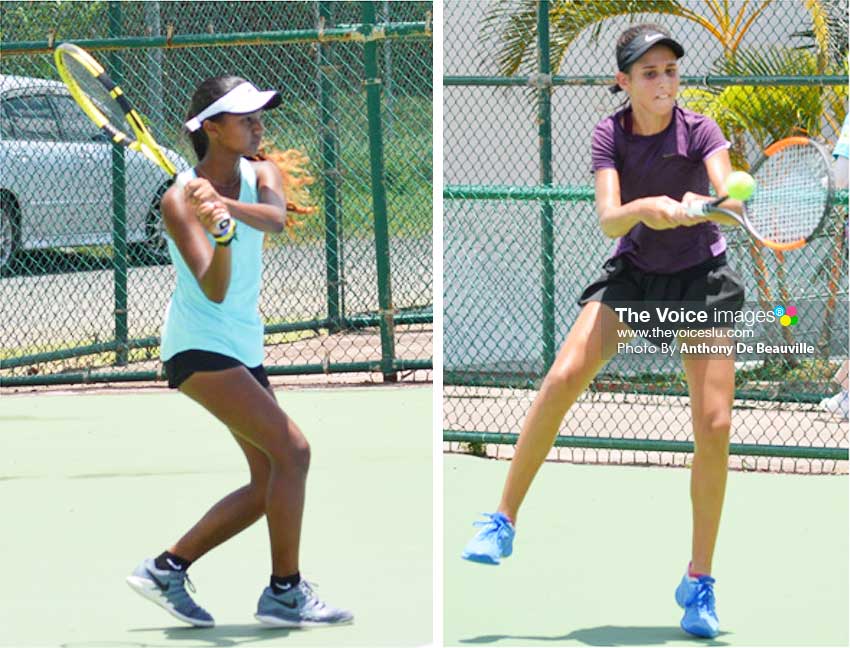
(640, 45)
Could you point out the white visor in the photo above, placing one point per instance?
(244, 98)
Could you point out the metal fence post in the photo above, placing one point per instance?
(155, 110)
(379, 198)
(544, 130)
(119, 209)
(329, 146)
(388, 77)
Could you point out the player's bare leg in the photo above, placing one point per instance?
(591, 343)
(711, 384)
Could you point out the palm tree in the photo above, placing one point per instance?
(769, 113)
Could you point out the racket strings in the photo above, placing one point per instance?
(793, 188)
(98, 94)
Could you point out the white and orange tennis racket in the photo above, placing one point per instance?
(793, 195)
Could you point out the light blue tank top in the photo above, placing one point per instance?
(233, 327)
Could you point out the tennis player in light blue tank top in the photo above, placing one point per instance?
(233, 327)
(216, 216)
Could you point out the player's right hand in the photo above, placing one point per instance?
(666, 213)
(211, 214)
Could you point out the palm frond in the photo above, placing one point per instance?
(738, 33)
(820, 31)
(513, 25)
(570, 18)
(828, 34)
(768, 113)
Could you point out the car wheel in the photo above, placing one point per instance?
(155, 244)
(9, 239)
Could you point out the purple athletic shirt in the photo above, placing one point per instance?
(668, 163)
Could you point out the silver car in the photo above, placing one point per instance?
(56, 175)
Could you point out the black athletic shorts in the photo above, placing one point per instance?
(179, 367)
(711, 286)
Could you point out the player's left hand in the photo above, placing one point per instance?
(199, 191)
(687, 200)
(210, 214)
(729, 203)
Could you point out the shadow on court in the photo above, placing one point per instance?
(608, 636)
(220, 635)
(227, 634)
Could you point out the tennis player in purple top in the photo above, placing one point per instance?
(651, 159)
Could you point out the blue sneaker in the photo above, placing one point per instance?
(494, 541)
(298, 607)
(696, 597)
(167, 589)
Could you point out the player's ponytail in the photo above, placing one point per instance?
(293, 166)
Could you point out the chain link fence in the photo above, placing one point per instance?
(350, 289)
(518, 253)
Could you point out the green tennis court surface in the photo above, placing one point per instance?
(600, 549)
(92, 483)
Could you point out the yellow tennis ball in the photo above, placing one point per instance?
(740, 185)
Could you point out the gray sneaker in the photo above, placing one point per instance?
(167, 589)
(298, 607)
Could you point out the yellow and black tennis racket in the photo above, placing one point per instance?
(793, 196)
(110, 109)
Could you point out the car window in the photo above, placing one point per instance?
(31, 118)
(7, 124)
(76, 127)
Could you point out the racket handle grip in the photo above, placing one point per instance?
(226, 231)
(223, 226)
(697, 208)
(179, 182)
